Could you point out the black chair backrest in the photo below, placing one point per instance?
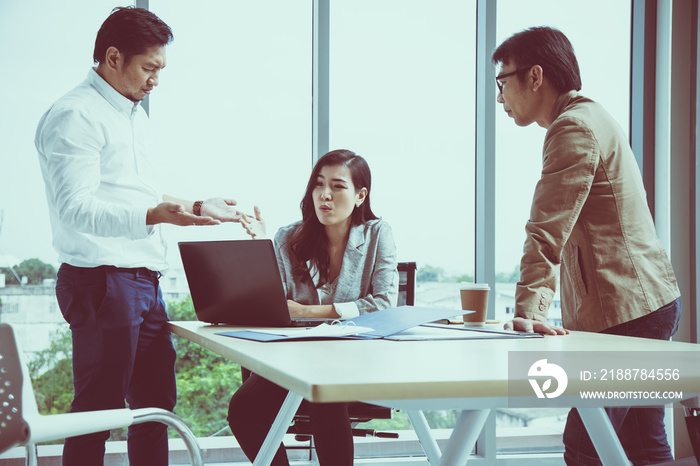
(13, 429)
(407, 283)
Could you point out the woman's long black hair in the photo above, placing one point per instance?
(310, 242)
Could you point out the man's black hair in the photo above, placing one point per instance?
(131, 30)
(544, 46)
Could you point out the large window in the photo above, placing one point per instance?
(605, 78)
(401, 82)
(233, 117)
(45, 51)
(232, 111)
(401, 94)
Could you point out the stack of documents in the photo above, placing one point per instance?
(323, 330)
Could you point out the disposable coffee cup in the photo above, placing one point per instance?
(475, 297)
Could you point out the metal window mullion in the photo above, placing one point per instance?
(662, 158)
(485, 183)
(642, 92)
(637, 83)
(694, 187)
(145, 103)
(320, 79)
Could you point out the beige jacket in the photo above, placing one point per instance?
(590, 216)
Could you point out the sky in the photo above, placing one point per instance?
(232, 113)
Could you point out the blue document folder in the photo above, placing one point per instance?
(383, 323)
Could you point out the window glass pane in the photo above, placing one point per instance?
(605, 78)
(401, 95)
(232, 111)
(45, 50)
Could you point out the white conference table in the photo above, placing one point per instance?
(470, 375)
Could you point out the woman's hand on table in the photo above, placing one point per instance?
(320, 311)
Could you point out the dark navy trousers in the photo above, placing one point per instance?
(641, 430)
(122, 350)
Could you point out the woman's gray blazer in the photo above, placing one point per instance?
(368, 276)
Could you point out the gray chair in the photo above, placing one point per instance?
(22, 425)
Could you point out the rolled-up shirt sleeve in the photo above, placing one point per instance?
(346, 310)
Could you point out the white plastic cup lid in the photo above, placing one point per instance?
(474, 286)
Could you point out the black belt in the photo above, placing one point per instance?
(137, 271)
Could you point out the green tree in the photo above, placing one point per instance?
(459, 278)
(34, 269)
(512, 277)
(205, 381)
(428, 273)
(51, 372)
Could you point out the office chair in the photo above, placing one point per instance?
(363, 412)
(359, 412)
(21, 423)
(407, 283)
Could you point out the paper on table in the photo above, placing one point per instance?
(323, 330)
(393, 320)
(368, 326)
(453, 332)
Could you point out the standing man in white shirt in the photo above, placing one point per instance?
(93, 146)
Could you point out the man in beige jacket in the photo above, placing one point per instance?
(589, 218)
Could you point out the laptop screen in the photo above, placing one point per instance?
(235, 282)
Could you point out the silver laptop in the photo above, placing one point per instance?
(237, 282)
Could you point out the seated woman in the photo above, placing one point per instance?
(339, 261)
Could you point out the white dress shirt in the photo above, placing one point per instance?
(94, 148)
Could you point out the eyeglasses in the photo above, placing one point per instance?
(505, 75)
